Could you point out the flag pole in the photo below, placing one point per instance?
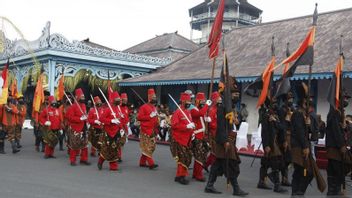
(212, 77)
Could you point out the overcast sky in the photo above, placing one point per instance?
(120, 24)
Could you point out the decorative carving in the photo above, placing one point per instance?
(102, 73)
(59, 42)
(21, 47)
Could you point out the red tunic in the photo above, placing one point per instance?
(92, 116)
(22, 111)
(148, 124)
(110, 128)
(179, 123)
(213, 124)
(73, 116)
(198, 119)
(53, 115)
(9, 117)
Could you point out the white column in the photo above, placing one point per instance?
(51, 76)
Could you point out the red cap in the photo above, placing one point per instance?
(123, 96)
(185, 97)
(151, 93)
(79, 93)
(215, 96)
(200, 96)
(51, 99)
(114, 95)
(97, 99)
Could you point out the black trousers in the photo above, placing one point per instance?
(38, 136)
(336, 176)
(230, 168)
(300, 181)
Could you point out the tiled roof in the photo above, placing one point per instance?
(163, 44)
(248, 49)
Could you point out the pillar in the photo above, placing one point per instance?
(51, 76)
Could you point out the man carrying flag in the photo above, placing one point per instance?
(22, 112)
(40, 101)
(227, 159)
(60, 101)
(271, 130)
(9, 113)
(339, 158)
(51, 119)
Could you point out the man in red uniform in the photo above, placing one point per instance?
(9, 122)
(211, 119)
(21, 116)
(112, 127)
(182, 130)
(147, 115)
(77, 118)
(199, 144)
(51, 118)
(95, 130)
(125, 119)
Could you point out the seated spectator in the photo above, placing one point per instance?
(134, 124)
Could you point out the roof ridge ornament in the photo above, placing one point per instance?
(58, 42)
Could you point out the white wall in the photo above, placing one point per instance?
(323, 105)
(253, 115)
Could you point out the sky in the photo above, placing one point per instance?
(120, 24)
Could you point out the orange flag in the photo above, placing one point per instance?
(61, 88)
(14, 91)
(335, 88)
(266, 78)
(338, 73)
(38, 98)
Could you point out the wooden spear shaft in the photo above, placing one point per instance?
(212, 78)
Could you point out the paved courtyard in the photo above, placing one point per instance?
(28, 175)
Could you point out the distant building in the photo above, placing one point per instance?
(237, 13)
(169, 45)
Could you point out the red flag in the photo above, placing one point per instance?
(5, 71)
(266, 78)
(216, 31)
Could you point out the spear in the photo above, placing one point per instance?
(108, 103)
(95, 107)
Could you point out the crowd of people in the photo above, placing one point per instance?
(200, 130)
